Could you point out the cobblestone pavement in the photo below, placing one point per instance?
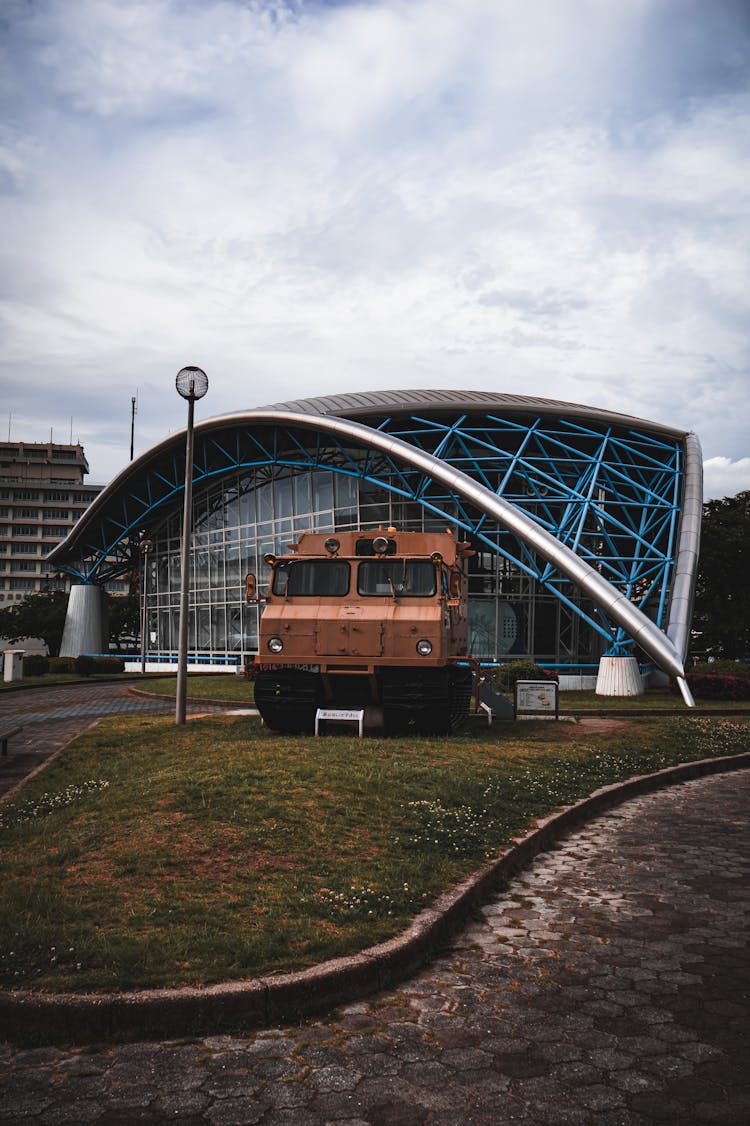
(51, 717)
(608, 986)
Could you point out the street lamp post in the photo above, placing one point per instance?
(192, 384)
(145, 547)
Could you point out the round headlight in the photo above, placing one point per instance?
(424, 647)
(275, 644)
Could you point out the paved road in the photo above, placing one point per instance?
(51, 717)
(607, 987)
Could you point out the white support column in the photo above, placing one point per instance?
(619, 676)
(86, 622)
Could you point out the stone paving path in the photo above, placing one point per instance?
(608, 986)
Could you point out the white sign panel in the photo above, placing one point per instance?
(536, 697)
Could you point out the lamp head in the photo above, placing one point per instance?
(191, 383)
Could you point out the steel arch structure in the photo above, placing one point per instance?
(567, 494)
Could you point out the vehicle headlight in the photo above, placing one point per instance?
(424, 647)
(275, 644)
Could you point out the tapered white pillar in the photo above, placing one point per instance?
(85, 622)
(619, 676)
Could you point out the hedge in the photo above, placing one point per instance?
(717, 686)
(722, 668)
(35, 664)
(82, 666)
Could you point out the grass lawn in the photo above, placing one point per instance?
(149, 855)
(239, 690)
(214, 686)
(655, 699)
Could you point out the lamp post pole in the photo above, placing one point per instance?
(145, 547)
(191, 384)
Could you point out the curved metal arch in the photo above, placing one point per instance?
(686, 567)
(611, 601)
(643, 631)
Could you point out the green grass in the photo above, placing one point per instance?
(237, 689)
(653, 700)
(150, 855)
(216, 686)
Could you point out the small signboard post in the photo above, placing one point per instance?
(535, 698)
(340, 715)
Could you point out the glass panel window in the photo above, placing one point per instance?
(247, 503)
(322, 482)
(283, 496)
(302, 494)
(347, 497)
(264, 498)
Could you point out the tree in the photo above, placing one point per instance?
(40, 615)
(721, 615)
(124, 615)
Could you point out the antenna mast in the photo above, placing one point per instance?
(133, 413)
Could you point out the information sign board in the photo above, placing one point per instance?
(536, 697)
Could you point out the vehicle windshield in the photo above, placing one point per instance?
(312, 578)
(397, 577)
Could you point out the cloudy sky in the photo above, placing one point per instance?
(549, 197)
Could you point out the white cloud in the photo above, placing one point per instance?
(302, 198)
(723, 477)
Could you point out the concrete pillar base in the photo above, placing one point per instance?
(619, 676)
(86, 622)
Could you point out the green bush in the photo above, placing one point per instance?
(707, 686)
(722, 668)
(62, 665)
(90, 666)
(503, 678)
(35, 664)
(108, 665)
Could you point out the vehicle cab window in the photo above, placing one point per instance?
(312, 578)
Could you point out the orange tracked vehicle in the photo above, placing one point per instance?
(373, 620)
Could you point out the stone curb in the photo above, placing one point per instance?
(34, 1018)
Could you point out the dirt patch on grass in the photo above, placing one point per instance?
(601, 725)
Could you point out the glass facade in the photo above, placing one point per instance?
(246, 516)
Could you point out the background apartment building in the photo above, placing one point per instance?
(42, 495)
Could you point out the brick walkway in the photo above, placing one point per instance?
(608, 986)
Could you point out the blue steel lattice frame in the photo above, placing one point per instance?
(610, 494)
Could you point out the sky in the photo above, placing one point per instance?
(548, 198)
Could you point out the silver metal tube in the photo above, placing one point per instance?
(686, 565)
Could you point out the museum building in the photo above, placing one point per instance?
(584, 522)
